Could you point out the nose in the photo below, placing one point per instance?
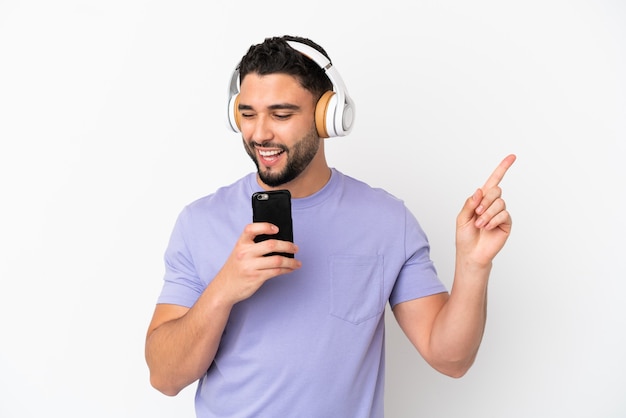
(260, 130)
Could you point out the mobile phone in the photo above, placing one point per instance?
(274, 207)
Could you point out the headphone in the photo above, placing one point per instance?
(334, 111)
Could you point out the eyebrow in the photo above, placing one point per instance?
(280, 106)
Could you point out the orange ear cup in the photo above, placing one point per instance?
(321, 111)
(236, 112)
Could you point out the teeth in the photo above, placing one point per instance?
(269, 153)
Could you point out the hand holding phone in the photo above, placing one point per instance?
(274, 207)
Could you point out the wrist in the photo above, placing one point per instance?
(468, 266)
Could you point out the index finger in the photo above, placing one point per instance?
(498, 173)
(258, 228)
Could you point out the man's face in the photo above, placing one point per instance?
(277, 126)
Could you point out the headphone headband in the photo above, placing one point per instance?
(334, 113)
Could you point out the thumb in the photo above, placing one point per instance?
(468, 211)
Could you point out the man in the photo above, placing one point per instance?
(276, 336)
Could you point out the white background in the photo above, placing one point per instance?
(112, 119)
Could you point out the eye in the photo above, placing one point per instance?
(282, 116)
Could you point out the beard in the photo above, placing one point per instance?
(298, 158)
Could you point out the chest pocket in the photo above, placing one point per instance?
(356, 287)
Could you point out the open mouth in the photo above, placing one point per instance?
(269, 156)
